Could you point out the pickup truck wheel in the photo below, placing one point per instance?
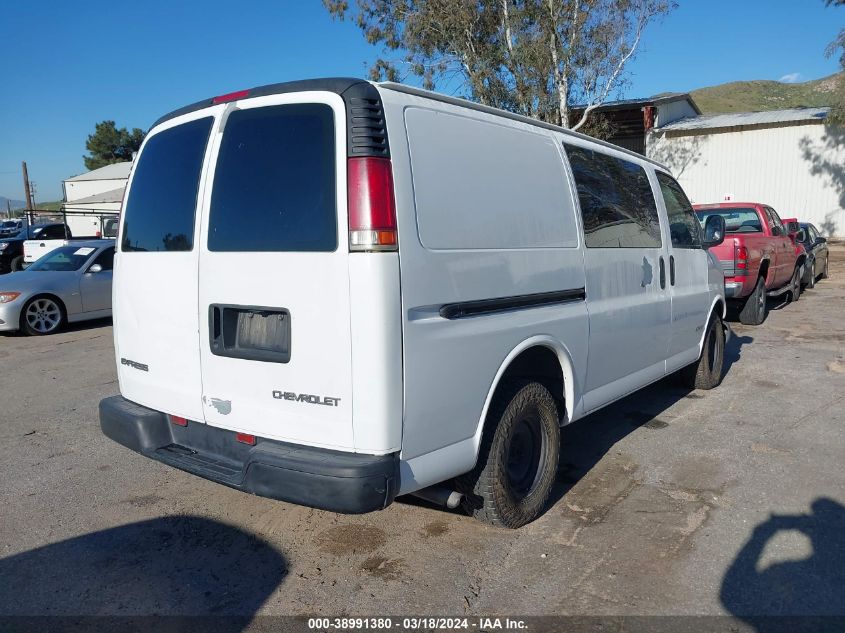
(706, 372)
(517, 463)
(42, 315)
(754, 310)
(795, 285)
(17, 264)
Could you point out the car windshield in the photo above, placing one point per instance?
(9, 224)
(737, 220)
(64, 259)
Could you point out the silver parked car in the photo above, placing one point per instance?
(71, 283)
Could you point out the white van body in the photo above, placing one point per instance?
(363, 366)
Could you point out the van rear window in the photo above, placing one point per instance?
(162, 201)
(274, 185)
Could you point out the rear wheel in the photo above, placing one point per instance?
(754, 310)
(42, 315)
(706, 372)
(518, 460)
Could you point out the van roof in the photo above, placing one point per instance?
(342, 85)
(472, 105)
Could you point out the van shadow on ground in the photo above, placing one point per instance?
(790, 596)
(181, 565)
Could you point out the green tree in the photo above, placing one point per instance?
(533, 57)
(837, 46)
(110, 144)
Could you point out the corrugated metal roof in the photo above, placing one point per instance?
(115, 171)
(113, 195)
(738, 119)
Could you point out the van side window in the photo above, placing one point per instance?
(274, 186)
(617, 204)
(683, 223)
(162, 200)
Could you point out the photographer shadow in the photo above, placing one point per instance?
(792, 595)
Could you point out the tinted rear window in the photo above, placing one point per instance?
(617, 204)
(162, 201)
(737, 220)
(274, 186)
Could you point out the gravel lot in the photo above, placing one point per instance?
(669, 502)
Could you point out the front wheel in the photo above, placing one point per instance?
(706, 372)
(17, 264)
(811, 278)
(42, 315)
(518, 460)
(826, 269)
(795, 284)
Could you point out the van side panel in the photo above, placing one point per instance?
(492, 217)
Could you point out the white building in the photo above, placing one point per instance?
(788, 159)
(100, 190)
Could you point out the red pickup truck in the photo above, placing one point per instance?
(760, 256)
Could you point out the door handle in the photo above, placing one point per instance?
(662, 273)
(672, 270)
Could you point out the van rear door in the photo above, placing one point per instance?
(275, 341)
(155, 277)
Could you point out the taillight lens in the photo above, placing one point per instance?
(372, 207)
(245, 438)
(741, 256)
(178, 421)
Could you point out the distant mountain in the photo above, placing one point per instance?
(16, 204)
(753, 96)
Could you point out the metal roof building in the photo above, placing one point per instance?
(97, 190)
(788, 159)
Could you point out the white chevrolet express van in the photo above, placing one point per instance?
(333, 292)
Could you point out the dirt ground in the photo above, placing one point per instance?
(668, 502)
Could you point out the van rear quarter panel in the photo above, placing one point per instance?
(491, 175)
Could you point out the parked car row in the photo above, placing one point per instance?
(70, 283)
(764, 256)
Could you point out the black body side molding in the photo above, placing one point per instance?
(518, 302)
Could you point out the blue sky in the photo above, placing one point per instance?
(67, 65)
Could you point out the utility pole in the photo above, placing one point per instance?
(28, 192)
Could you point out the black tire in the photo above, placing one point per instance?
(17, 264)
(811, 279)
(795, 285)
(42, 315)
(826, 269)
(754, 310)
(518, 460)
(706, 372)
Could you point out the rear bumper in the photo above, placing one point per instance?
(320, 478)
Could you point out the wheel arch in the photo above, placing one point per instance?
(540, 346)
(39, 295)
(717, 306)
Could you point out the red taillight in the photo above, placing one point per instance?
(175, 419)
(232, 96)
(742, 257)
(245, 438)
(372, 208)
